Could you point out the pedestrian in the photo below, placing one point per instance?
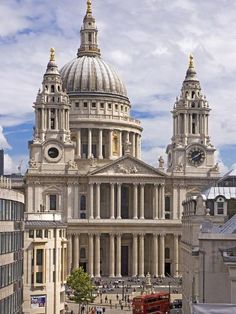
(117, 297)
(103, 310)
(106, 299)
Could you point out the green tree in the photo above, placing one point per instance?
(82, 286)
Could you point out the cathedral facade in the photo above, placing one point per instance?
(123, 216)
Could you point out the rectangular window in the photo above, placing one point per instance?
(54, 256)
(52, 202)
(109, 106)
(84, 150)
(93, 105)
(39, 234)
(45, 233)
(77, 104)
(52, 124)
(85, 105)
(39, 277)
(102, 105)
(39, 257)
(220, 208)
(31, 233)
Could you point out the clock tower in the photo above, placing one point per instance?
(191, 152)
(51, 148)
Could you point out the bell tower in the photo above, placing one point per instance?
(191, 152)
(51, 147)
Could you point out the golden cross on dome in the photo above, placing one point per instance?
(52, 54)
(89, 6)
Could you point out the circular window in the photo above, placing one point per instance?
(53, 152)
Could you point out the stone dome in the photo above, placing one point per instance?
(90, 74)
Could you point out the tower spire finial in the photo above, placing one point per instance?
(191, 64)
(52, 54)
(89, 6)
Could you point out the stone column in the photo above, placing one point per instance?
(89, 143)
(175, 201)
(100, 156)
(69, 253)
(133, 145)
(176, 255)
(97, 200)
(112, 201)
(155, 210)
(118, 201)
(120, 143)
(141, 201)
(112, 257)
(78, 151)
(162, 255)
(135, 201)
(97, 255)
(91, 201)
(90, 257)
(137, 146)
(141, 255)
(110, 144)
(76, 251)
(118, 255)
(155, 255)
(190, 123)
(135, 255)
(162, 201)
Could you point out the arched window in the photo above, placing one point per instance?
(52, 89)
(193, 94)
(82, 253)
(83, 202)
(58, 88)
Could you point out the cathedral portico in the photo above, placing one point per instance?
(129, 253)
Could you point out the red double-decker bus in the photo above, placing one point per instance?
(156, 303)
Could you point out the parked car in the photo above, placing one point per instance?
(177, 304)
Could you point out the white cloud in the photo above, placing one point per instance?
(3, 141)
(148, 41)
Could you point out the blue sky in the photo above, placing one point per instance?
(148, 41)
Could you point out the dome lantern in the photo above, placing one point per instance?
(88, 34)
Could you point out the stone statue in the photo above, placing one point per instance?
(127, 147)
(32, 163)
(161, 163)
(72, 165)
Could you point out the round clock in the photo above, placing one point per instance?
(53, 152)
(196, 156)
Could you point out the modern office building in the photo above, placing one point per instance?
(11, 248)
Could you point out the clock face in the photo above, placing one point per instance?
(53, 152)
(196, 156)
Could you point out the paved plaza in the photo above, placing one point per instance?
(115, 296)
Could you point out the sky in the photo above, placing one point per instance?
(148, 41)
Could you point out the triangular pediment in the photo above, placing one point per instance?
(127, 166)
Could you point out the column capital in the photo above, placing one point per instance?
(142, 234)
(118, 234)
(91, 234)
(156, 235)
(177, 234)
(162, 234)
